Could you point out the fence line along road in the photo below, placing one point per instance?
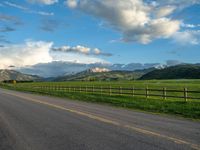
(163, 93)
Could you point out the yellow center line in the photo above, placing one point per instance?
(139, 130)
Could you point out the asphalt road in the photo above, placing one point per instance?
(32, 122)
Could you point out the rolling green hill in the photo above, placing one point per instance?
(14, 75)
(185, 71)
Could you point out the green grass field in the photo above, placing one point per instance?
(174, 106)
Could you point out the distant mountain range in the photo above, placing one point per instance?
(14, 75)
(135, 66)
(184, 71)
(103, 74)
(59, 68)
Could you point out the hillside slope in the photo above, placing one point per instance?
(14, 75)
(186, 71)
(89, 75)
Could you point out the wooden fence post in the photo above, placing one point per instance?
(100, 89)
(120, 90)
(147, 92)
(133, 91)
(164, 93)
(185, 94)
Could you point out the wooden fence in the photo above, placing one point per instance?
(163, 93)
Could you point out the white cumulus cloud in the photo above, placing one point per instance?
(81, 50)
(164, 11)
(97, 51)
(185, 25)
(133, 18)
(78, 49)
(29, 53)
(71, 3)
(187, 37)
(180, 4)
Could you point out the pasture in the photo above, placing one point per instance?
(157, 96)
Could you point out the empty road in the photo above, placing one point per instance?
(33, 122)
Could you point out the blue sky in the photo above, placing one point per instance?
(95, 31)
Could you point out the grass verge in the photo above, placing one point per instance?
(190, 109)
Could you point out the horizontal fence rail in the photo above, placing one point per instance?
(163, 93)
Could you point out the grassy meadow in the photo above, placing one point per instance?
(174, 106)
